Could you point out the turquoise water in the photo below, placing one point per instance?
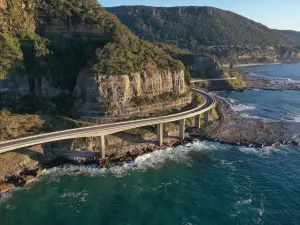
(202, 183)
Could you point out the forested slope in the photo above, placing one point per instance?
(191, 27)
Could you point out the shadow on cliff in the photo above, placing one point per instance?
(133, 138)
(34, 155)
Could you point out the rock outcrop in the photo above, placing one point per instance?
(99, 94)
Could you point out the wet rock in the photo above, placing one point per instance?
(29, 172)
(18, 181)
(29, 179)
(6, 187)
(104, 163)
(276, 145)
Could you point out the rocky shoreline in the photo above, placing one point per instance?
(228, 129)
(256, 133)
(256, 82)
(28, 176)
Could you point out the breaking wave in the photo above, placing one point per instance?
(155, 160)
(242, 107)
(276, 79)
(297, 119)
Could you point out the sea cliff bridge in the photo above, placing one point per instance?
(106, 129)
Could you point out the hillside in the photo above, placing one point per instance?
(48, 47)
(291, 34)
(191, 27)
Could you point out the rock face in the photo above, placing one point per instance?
(56, 26)
(16, 87)
(114, 94)
(289, 54)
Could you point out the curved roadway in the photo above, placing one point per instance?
(105, 129)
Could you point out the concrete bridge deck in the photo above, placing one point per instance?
(106, 129)
(196, 80)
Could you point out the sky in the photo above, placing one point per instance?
(276, 14)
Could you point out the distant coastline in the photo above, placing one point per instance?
(258, 64)
(250, 64)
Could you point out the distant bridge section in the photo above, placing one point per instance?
(195, 80)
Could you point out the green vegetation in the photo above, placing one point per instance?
(14, 125)
(165, 97)
(199, 100)
(187, 77)
(238, 82)
(292, 35)
(10, 54)
(103, 42)
(131, 55)
(194, 27)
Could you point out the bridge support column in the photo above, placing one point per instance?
(182, 129)
(160, 133)
(206, 116)
(102, 146)
(198, 121)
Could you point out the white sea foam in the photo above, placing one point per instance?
(297, 119)
(80, 196)
(265, 151)
(4, 197)
(244, 202)
(156, 160)
(242, 107)
(246, 115)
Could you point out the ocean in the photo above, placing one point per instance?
(198, 183)
(280, 72)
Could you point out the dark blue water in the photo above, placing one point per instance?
(267, 105)
(204, 183)
(286, 72)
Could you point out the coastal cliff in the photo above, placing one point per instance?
(52, 50)
(102, 95)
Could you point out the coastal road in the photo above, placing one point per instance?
(194, 80)
(106, 129)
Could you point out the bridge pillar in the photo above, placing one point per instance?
(102, 146)
(181, 128)
(198, 121)
(160, 133)
(206, 118)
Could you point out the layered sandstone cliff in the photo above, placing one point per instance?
(99, 95)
